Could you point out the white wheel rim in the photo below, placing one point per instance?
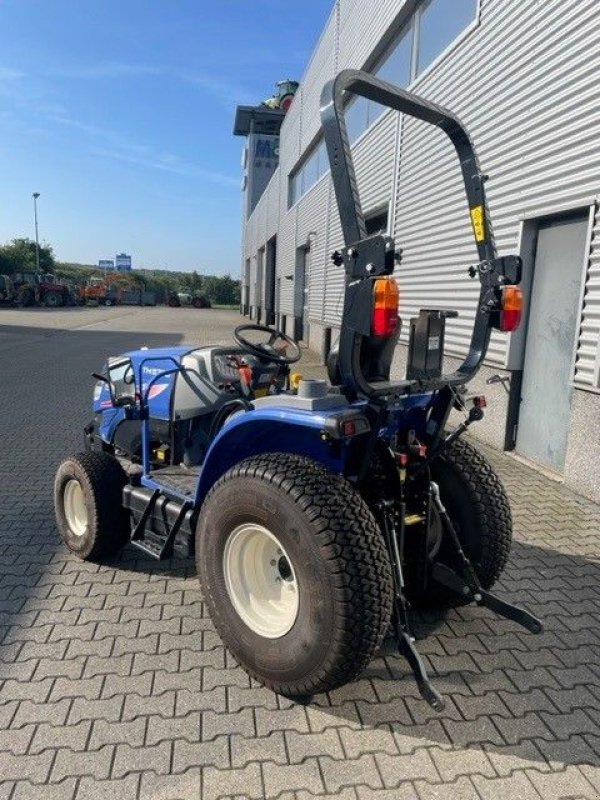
(261, 581)
(75, 508)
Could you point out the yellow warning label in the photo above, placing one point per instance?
(478, 221)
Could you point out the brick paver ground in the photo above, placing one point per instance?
(113, 683)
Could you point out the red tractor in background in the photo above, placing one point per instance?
(43, 289)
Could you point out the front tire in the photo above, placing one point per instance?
(477, 504)
(294, 572)
(53, 300)
(27, 298)
(88, 503)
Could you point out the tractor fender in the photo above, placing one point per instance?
(268, 430)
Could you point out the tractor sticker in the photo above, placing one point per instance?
(478, 221)
(157, 389)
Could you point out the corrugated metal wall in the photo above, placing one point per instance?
(587, 365)
(312, 230)
(373, 159)
(525, 83)
(522, 83)
(320, 70)
(362, 24)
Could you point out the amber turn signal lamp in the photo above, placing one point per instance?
(386, 298)
(512, 308)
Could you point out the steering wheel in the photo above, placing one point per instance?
(268, 351)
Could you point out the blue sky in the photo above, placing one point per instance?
(120, 114)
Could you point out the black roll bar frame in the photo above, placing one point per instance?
(367, 257)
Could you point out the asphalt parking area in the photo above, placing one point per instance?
(114, 684)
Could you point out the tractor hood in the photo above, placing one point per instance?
(150, 366)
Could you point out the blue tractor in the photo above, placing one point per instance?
(319, 512)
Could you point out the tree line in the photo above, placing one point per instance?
(19, 255)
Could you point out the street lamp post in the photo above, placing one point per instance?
(35, 196)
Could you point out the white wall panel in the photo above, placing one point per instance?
(320, 70)
(587, 364)
(525, 83)
(373, 157)
(334, 276)
(530, 107)
(362, 24)
(286, 259)
(312, 229)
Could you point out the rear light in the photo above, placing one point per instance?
(511, 308)
(386, 298)
(348, 428)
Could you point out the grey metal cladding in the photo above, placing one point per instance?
(524, 81)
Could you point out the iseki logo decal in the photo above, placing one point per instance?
(157, 389)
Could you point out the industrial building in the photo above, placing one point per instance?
(522, 76)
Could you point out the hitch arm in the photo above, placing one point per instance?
(404, 637)
(467, 584)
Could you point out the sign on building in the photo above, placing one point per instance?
(123, 262)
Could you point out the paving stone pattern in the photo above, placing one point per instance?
(113, 683)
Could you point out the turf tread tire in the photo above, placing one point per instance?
(467, 479)
(356, 559)
(102, 479)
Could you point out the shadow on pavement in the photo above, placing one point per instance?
(518, 697)
(44, 403)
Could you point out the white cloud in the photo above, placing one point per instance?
(108, 69)
(9, 74)
(166, 162)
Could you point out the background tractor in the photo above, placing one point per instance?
(43, 289)
(184, 298)
(106, 290)
(8, 295)
(318, 512)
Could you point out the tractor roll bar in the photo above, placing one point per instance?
(359, 266)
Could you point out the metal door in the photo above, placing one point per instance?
(260, 263)
(306, 294)
(301, 293)
(554, 314)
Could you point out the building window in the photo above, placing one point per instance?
(395, 66)
(439, 23)
(434, 25)
(377, 222)
(357, 117)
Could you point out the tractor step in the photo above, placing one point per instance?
(154, 544)
(153, 548)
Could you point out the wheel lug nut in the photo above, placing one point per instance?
(273, 562)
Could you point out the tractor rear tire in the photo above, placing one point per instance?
(294, 572)
(477, 504)
(27, 298)
(53, 299)
(88, 503)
